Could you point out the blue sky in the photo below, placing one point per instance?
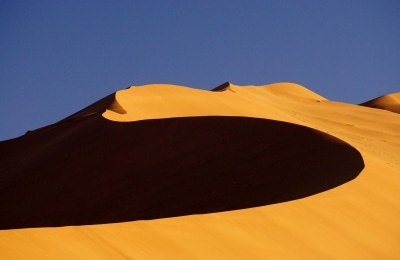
(60, 56)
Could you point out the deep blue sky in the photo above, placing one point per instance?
(60, 56)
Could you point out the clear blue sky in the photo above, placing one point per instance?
(60, 56)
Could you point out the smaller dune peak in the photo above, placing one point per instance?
(390, 102)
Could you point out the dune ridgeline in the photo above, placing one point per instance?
(239, 172)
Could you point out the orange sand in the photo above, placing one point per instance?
(357, 220)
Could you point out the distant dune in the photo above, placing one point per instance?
(389, 102)
(165, 171)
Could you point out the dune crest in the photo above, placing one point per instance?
(390, 102)
(165, 101)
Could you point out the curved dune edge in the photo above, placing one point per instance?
(165, 101)
(165, 168)
(389, 102)
(358, 220)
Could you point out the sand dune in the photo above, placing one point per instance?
(272, 171)
(389, 102)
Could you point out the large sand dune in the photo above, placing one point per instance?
(272, 171)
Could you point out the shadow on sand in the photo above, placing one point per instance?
(94, 171)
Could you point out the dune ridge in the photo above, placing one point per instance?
(357, 220)
(164, 101)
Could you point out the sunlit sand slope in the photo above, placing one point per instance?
(389, 102)
(164, 101)
(355, 220)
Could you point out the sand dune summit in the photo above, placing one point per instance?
(274, 171)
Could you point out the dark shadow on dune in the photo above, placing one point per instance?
(93, 171)
(221, 87)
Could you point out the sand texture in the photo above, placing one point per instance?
(240, 172)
